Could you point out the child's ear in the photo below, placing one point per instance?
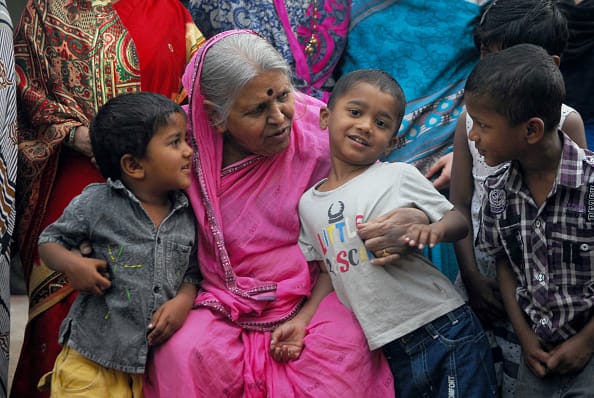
(212, 112)
(556, 59)
(131, 167)
(391, 144)
(534, 130)
(324, 115)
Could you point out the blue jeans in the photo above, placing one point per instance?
(556, 385)
(449, 357)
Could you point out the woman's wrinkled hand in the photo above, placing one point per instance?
(82, 142)
(383, 235)
(286, 341)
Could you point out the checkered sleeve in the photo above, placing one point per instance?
(488, 239)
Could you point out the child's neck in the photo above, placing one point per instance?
(539, 168)
(341, 173)
(156, 205)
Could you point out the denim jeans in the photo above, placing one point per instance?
(448, 357)
(556, 385)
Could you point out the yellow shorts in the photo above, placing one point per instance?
(75, 376)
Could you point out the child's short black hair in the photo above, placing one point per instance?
(505, 23)
(520, 82)
(125, 125)
(375, 77)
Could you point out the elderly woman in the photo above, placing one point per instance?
(258, 147)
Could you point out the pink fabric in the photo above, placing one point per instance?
(255, 277)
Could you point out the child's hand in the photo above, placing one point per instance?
(167, 320)
(421, 235)
(570, 356)
(286, 341)
(90, 275)
(535, 356)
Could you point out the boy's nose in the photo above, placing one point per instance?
(365, 125)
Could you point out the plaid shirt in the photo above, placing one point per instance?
(551, 248)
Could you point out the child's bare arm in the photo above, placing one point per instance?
(574, 353)
(286, 341)
(483, 292)
(535, 356)
(84, 274)
(451, 227)
(574, 128)
(171, 315)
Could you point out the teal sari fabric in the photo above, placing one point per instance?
(428, 47)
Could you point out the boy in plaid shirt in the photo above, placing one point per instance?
(537, 218)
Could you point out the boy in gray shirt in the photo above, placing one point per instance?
(141, 284)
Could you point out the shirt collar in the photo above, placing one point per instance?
(570, 172)
(180, 200)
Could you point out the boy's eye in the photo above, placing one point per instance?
(355, 112)
(380, 123)
(176, 142)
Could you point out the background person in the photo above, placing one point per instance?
(310, 35)
(70, 59)
(503, 24)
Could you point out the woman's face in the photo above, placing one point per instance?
(260, 119)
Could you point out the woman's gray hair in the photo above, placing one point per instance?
(231, 63)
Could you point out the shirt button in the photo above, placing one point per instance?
(584, 247)
(543, 321)
(537, 223)
(159, 240)
(540, 277)
(156, 289)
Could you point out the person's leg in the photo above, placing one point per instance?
(449, 357)
(204, 358)
(511, 351)
(75, 376)
(530, 386)
(466, 368)
(579, 385)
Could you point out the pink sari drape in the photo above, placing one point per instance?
(255, 277)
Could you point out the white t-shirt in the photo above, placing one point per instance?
(389, 301)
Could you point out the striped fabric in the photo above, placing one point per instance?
(8, 162)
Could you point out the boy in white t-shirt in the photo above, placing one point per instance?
(434, 343)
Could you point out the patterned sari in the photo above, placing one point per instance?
(289, 26)
(256, 277)
(71, 57)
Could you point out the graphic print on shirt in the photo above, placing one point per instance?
(341, 246)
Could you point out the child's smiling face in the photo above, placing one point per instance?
(362, 124)
(168, 158)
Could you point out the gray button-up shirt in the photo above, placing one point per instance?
(146, 267)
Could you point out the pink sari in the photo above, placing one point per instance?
(255, 277)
